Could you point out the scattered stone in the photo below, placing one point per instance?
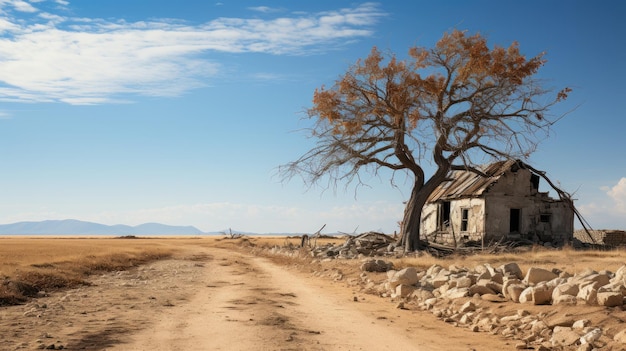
(406, 276)
(521, 346)
(373, 265)
(591, 336)
(480, 290)
(620, 337)
(542, 295)
(560, 321)
(493, 298)
(513, 291)
(580, 324)
(511, 269)
(535, 276)
(564, 336)
(403, 290)
(589, 294)
(610, 299)
(469, 306)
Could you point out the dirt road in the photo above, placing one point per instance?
(216, 299)
(249, 303)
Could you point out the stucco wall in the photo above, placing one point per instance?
(453, 233)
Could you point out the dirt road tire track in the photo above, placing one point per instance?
(248, 303)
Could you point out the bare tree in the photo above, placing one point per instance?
(456, 105)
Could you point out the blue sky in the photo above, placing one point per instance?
(134, 111)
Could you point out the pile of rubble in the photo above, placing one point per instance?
(464, 296)
(366, 244)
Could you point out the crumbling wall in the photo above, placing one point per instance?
(602, 237)
(452, 233)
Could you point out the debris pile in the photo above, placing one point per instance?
(366, 244)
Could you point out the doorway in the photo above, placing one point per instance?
(514, 220)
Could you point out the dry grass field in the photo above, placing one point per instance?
(32, 264)
(35, 264)
(45, 263)
(565, 259)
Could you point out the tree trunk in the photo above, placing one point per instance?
(410, 229)
(411, 221)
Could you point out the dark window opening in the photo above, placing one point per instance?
(534, 180)
(544, 218)
(515, 220)
(444, 214)
(464, 219)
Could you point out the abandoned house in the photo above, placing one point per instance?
(505, 205)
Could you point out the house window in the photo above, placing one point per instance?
(464, 219)
(514, 220)
(544, 218)
(444, 214)
(534, 181)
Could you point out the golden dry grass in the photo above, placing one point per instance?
(39, 263)
(31, 264)
(565, 259)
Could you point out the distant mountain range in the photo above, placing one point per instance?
(75, 227)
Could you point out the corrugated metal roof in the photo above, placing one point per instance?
(470, 184)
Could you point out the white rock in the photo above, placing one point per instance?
(565, 289)
(469, 306)
(511, 269)
(526, 296)
(463, 282)
(430, 303)
(589, 294)
(564, 336)
(590, 337)
(621, 272)
(433, 270)
(497, 278)
(511, 318)
(610, 299)
(537, 275)
(440, 279)
(480, 290)
(620, 337)
(565, 300)
(456, 293)
(403, 290)
(580, 324)
(538, 326)
(466, 318)
(514, 291)
(602, 279)
(406, 276)
(542, 295)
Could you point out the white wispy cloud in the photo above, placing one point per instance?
(48, 57)
(618, 194)
(610, 209)
(264, 9)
